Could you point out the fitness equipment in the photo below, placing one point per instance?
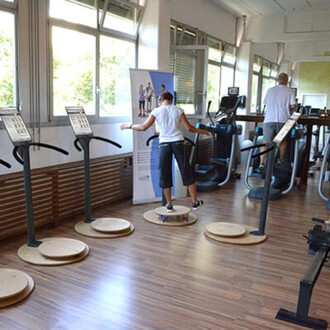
(284, 175)
(319, 246)
(181, 215)
(101, 227)
(14, 284)
(324, 172)
(225, 132)
(48, 251)
(244, 235)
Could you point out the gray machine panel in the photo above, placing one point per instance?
(15, 125)
(79, 121)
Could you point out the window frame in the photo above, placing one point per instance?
(97, 33)
(261, 77)
(11, 7)
(202, 39)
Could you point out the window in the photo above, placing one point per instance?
(7, 59)
(77, 11)
(221, 71)
(116, 57)
(73, 70)
(263, 78)
(122, 16)
(213, 86)
(91, 55)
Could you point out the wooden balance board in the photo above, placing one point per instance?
(226, 229)
(181, 216)
(244, 239)
(86, 229)
(14, 286)
(56, 251)
(110, 225)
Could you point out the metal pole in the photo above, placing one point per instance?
(265, 198)
(28, 196)
(84, 141)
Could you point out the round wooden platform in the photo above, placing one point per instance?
(152, 217)
(177, 210)
(86, 229)
(226, 229)
(61, 248)
(246, 239)
(14, 286)
(110, 225)
(33, 256)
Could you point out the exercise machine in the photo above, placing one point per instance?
(181, 215)
(101, 227)
(48, 251)
(284, 174)
(241, 234)
(324, 172)
(15, 285)
(224, 133)
(319, 246)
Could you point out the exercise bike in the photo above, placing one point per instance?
(224, 139)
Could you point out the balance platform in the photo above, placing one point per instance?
(105, 228)
(181, 216)
(230, 233)
(14, 286)
(54, 251)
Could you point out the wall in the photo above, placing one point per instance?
(314, 78)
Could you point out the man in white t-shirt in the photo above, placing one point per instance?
(171, 141)
(279, 101)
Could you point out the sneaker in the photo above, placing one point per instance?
(279, 162)
(260, 169)
(196, 206)
(169, 208)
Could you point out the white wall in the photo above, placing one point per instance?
(205, 16)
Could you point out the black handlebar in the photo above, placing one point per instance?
(254, 146)
(15, 154)
(75, 143)
(317, 220)
(263, 152)
(151, 138)
(156, 136)
(48, 146)
(2, 162)
(106, 140)
(44, 145)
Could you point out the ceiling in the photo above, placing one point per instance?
(264, 7)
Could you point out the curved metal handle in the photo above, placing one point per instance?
(48, 146)
(16, 156)
(263, 152)
(190, 141)
(151, 138)
(254, 146)
(75, 143)
(2, 162)
(106, 140)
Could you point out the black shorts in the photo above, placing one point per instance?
(166, 150)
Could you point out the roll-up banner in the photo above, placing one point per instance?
(146, 87)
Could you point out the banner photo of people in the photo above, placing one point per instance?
(146, 88)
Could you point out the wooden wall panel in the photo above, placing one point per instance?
(58, 191)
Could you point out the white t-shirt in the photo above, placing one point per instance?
(278, 100)
(168, 118)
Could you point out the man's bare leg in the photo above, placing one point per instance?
(167, 193)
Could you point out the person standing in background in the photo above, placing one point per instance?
(279, 101)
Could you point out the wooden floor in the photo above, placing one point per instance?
(176, 278)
